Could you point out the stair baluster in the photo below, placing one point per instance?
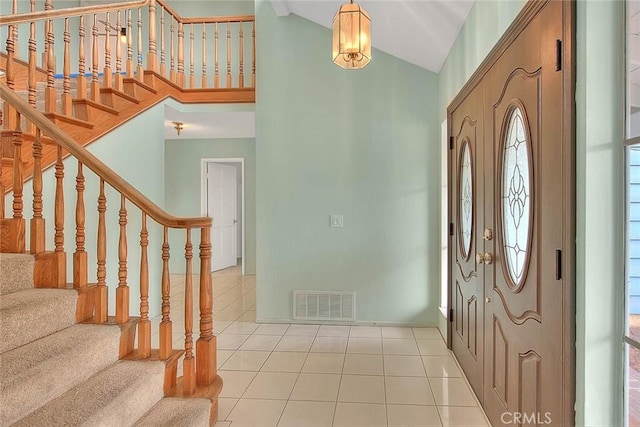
(17, 140)
(81, 80)
(204, 55)
(14, 229)
(66, 84)
(152, 56)
(206, 370)
(10, 121)
(253, 53)
(37, 233)
(165, 325)
(48, 5)
(228, 54)
(118, 82)
(216, 76)
(172, 66)
(31, 74)
(80, 271)
(192, 77)
(180, 54)
(162, 52)
(50, 91)
(95, 88)
(14, 9)
(122, 291)
(129, 44)
(58, 220)
(106, 73)
(188, 365)
(101, 297)
(139, 69)
(241, 55)
(144, 326)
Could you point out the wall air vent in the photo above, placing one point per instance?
(322, 305)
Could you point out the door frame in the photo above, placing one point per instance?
(204, 195)
(568, 62)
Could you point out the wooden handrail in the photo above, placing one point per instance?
(96, 165)
(204, 20)
(214, 19)
(68, 12)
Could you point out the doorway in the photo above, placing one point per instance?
(223, 199)
(512, 222)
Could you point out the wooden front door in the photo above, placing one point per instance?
(524, 229)
(467, 197)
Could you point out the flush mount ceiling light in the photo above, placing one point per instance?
(351, 37)
(178, 126)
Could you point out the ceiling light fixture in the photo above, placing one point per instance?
(178, 126)
(351, 37)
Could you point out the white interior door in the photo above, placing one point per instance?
(222, 207)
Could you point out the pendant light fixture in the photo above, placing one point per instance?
(351, 37)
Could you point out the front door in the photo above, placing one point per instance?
(467, 207)
(523, 203)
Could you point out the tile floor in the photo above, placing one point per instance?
(320, 375)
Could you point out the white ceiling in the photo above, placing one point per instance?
(418, 31)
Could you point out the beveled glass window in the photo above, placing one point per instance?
(466, 198)
(516, 196)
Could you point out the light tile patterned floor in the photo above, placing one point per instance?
(312, 375)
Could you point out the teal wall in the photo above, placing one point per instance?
(600, 212)
(484, 26)
(356, 143)
(183, 186)
(122, 150)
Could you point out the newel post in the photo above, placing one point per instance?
(206, 368)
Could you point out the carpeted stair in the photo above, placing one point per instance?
(55, 372)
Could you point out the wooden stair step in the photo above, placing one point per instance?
(133, 86)
(91, 111)
(58, 119)
(116, 99)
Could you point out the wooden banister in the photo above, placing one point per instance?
(68, 12)
(97, 166)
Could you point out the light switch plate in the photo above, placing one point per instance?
(336, 221)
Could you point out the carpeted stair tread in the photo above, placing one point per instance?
(16, 272)
(31, 314)
(178, 412)
(116, 396)
(42, 370)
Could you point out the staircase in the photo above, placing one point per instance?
(69, 356)
(56, 371)
(118, 86)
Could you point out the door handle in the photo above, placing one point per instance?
(235, 221)
(485, 258)
(488, 234)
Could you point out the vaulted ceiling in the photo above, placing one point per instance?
(418, 31)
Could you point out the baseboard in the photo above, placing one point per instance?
(357, 323)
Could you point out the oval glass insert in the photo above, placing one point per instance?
(516, 196)
(466, 199)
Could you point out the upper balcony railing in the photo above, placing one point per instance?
(106, 43)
